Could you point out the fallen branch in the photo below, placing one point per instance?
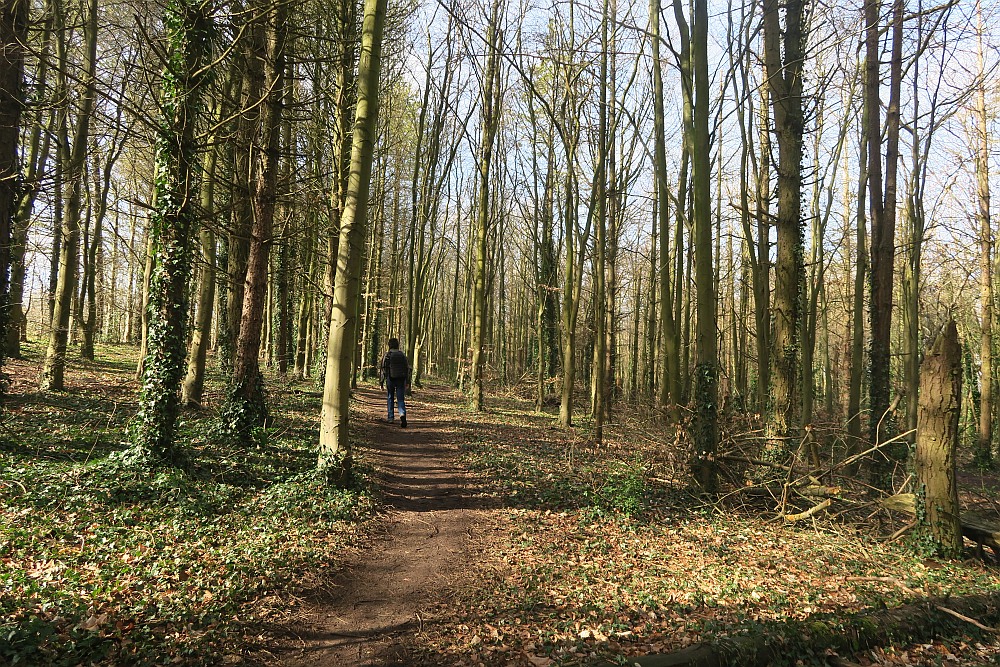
(902, 531)
(857, 457)
(818, 491)
(809, 512)
(965, 618)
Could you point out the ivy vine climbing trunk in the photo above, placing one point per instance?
(784, 51)
(334, 439)
(188, 36)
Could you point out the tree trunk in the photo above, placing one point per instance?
(783, 54)
(55, 356)
(306, 293)
(706, 389)
(171, 226)
(667, 388)
(246, 405)
(37, 156)
(194, 381)
(857, 360)
(335, 451)
(937, 441)
(490, 124)
(13, 36)
(882, 195)
(283, 338)
(984, 443)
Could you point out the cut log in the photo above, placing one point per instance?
(974, 527)
(918, 622)
(818, 491)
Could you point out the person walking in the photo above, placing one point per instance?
(395, 379)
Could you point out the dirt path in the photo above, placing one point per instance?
(386, 592)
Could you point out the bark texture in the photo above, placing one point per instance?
(335, 452)
(940, 407)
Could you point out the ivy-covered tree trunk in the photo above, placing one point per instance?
(334, 440)
(783, 54)
(13, 33)
(940, 408)
(188, 36)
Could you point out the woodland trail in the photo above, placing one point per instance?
(384, 593)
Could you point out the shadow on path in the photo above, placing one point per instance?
(380, 598)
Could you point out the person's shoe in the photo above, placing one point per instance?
(402, 420)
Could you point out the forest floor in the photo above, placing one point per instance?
(471, 539)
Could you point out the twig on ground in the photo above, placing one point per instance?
(902, 531)
(965, 618)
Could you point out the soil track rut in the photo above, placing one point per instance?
(385, 592)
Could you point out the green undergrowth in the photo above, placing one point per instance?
(607, 558)
(548, 473)
(103, 561)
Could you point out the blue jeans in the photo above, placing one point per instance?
(395, 390)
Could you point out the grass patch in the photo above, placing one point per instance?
(103, 563)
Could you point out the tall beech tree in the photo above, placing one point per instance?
(667, 386)
(73, 161)
(194, 379)
(489, 124)
(13, 37)
(335, 448)
(784, 54)
(705, 428)
(189, 32)
(984, 442)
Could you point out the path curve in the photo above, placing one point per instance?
(385, 593)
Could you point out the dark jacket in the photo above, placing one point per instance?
(396, 366)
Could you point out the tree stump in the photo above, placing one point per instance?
(939, 408)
